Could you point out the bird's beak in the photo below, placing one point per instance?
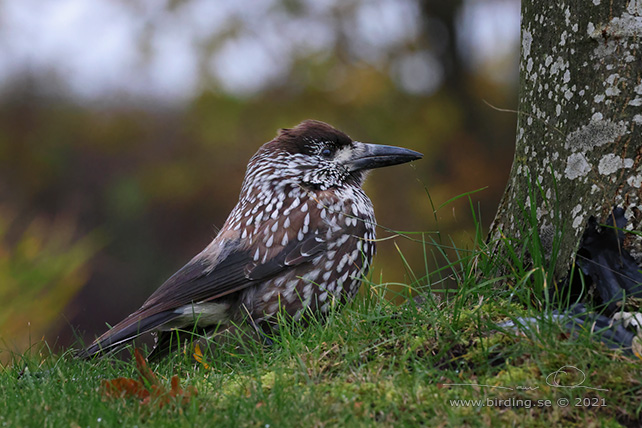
(369, 156)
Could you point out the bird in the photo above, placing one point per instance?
(299, 240)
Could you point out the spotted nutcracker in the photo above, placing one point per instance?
(300, 238)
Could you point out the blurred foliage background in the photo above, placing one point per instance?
(126, 126)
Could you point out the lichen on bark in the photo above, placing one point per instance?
(579, 131)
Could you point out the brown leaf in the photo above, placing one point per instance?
(148, 389)
(176, 390)
(145, 373)
(124, 387)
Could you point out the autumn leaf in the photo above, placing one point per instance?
(148, 389)
(123, 387)
(198, 356)
(146, 374)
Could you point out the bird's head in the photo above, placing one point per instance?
(318, 156)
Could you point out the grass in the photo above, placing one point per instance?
(438, 360)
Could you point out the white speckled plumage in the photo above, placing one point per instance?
(300, 239)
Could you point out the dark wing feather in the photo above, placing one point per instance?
(125, 331)
(198, 281)
(193, 283)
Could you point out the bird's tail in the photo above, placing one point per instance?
(126, 331)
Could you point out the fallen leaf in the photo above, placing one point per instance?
(148, 389)
(145, 373)
(123, 387)
(198, 356)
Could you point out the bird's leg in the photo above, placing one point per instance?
(266, 339)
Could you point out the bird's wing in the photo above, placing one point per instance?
(198, 281)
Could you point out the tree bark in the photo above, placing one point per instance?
(579, 133)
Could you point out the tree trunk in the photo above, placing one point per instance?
(579, 131)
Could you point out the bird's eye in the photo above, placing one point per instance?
(326, 153)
